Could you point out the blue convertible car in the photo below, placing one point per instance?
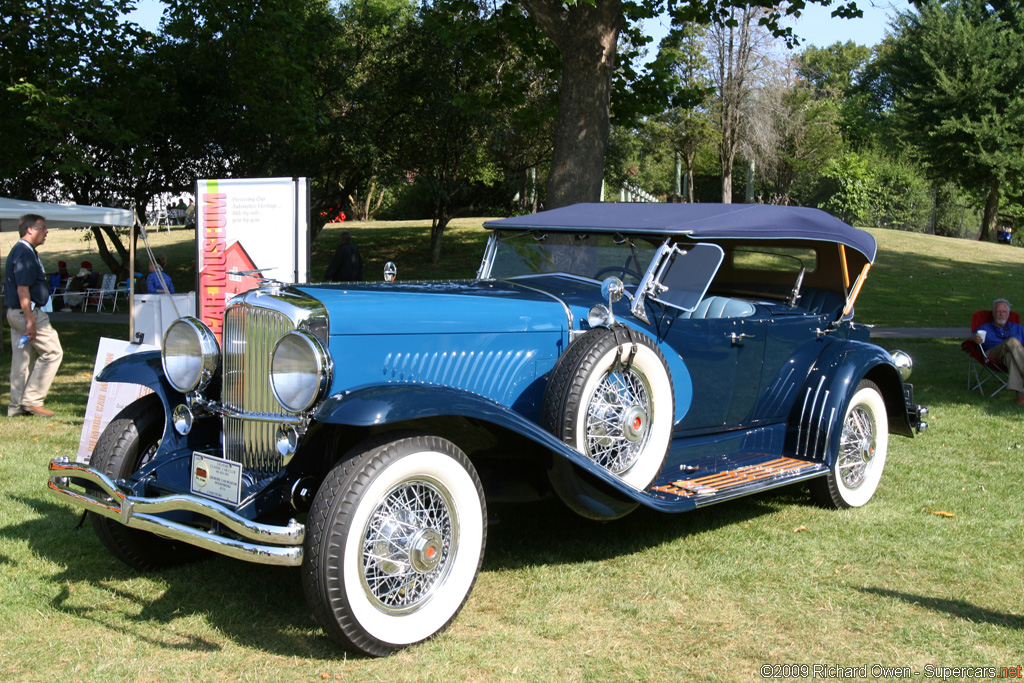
(612, 355)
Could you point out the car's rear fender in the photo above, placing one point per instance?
(377, 405)
(817, 413)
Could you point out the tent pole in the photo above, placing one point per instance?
(131, 280)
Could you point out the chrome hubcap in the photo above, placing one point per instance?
(856, 448)
(617, 416)
(407, 546)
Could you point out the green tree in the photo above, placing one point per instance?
(688, 122)
(586, 34)
(836, 74)
(953, 74)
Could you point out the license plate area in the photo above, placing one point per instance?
(216, 478)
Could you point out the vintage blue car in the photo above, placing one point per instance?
(612, 355)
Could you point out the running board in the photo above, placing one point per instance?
(742, 481)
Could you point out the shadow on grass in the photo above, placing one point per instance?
(954, 608)
(256, 606)
(548, 533)
(263, 607)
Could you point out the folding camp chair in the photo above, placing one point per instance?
(106, 291)
(981, 369)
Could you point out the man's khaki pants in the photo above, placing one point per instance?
(1011, 355)
(31, 376)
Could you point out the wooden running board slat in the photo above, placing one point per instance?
(713, 483)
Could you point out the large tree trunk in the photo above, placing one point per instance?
(991, 217)
(587, 37)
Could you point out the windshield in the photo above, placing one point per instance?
(589, 255)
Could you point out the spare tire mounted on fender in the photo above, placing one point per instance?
(610, 397)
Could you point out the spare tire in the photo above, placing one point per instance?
(610, 397)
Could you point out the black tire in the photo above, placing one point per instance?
(610, 397)
(127, 443)
(863, 445)
(394, 543)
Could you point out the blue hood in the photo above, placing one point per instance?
(465, 307)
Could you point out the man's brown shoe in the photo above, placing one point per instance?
(1020, 400)
(38, 411)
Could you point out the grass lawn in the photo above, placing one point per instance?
(712, 595)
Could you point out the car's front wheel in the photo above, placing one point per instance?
(863, 445)
(394, 543)
(130, 441)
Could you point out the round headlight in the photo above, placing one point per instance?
(191, 354)
(300, 370)
(904, 363)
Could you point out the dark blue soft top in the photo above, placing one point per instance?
(699, 221)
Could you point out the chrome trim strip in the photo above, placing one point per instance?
(800, 424)
(647, 281)
(274, 545)
(484, 271)
(568, 311)
(828, 434)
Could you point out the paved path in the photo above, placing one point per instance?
(920, 332)
(79, 317)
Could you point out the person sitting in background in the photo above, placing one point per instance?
(1003, 342)
(90, 276)
(74, 293)
(157, 276)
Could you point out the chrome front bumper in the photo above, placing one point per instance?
(260, 543)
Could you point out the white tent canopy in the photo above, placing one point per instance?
(61, 215)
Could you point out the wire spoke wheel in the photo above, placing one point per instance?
(860, 457)
(610, 397)
(394, 542)
(617, 414)
(407, 547)
(856, 448)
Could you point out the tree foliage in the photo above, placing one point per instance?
(953, 74)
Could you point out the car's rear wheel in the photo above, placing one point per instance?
(609, 397)
(394, 543)
(129, 441)
(863, 446)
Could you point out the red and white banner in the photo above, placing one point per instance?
(248, 227)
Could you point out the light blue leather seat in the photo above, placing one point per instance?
(719, 307)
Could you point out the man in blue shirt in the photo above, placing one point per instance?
(26, 291)
(1003, 341)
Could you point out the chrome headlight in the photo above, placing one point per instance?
(191, 354)
(599, 315)
(300, 370)
(904, 363)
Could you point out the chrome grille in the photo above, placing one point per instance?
(250, 333)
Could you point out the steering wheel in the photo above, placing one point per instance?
(617, 269)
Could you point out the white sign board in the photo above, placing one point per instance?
(246, 225)
(107, 399)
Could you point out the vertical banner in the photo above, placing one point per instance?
(248, 228)
(107, 399)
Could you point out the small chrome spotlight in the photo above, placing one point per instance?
(182, 419)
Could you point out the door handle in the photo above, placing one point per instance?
(737, 339)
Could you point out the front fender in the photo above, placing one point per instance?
(137, 368)
(821, 402)
(146, 369)
(389, 404)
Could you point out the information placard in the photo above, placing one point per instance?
(248, 227)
